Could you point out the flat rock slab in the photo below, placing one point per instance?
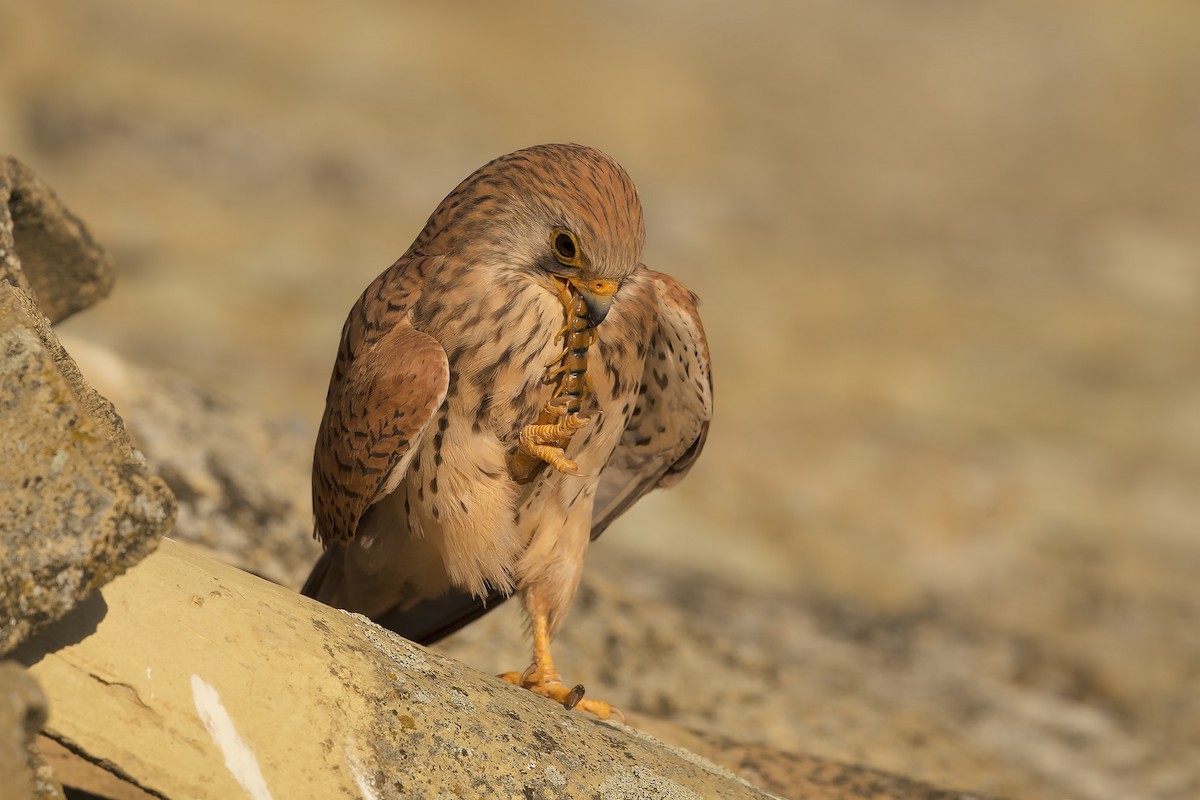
(190, 678)
(77, 504)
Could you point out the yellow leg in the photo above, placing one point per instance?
(542, 678)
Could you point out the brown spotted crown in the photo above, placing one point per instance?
(509, 207)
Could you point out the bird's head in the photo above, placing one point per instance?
(554, 211)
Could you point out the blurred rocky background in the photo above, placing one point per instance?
(946, 524)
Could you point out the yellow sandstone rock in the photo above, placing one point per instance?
(191, 678)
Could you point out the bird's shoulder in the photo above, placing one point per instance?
(388, 381)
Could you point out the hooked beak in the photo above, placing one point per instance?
(597, 294)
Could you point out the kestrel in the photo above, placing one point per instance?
(503, 392)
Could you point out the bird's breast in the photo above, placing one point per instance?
(502, 346)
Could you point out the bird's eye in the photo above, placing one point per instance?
(566, 247)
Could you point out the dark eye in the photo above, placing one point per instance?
(566, 247)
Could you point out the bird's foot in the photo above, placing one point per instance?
(549, 442)
(569, 697)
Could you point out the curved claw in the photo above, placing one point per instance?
(573, 697)
(515, 678)
(554, 689)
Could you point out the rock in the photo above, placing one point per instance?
(22, 714)
(44, 249)
(240, 480)
(226, 685)
(84, 778)
(798, 777)
(78, 503)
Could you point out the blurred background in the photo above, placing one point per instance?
(949, 258)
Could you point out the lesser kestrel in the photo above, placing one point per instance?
(503, 392)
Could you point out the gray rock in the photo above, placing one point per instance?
(78, 505)
(241, 480)
(45, 249)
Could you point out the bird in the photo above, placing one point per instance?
(501, 393)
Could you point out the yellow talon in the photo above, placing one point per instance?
(542, 678)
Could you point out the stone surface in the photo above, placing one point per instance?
(77, 502)
(227, 685)
(799, 777)
(240, 480)
(22, 714)
(80, 775)
(44, 248)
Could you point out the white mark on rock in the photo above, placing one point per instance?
(361, 779)
(149, 673)
(239, 758)
(554, 777)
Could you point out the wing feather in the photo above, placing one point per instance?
(388, 381)
(670, 421)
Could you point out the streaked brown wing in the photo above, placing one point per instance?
(388, 380)
(670, 421)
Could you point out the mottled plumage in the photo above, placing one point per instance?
(441, 366)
